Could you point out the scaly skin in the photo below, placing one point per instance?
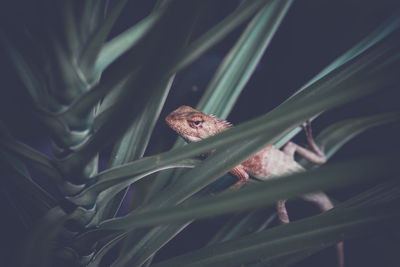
(194, 125)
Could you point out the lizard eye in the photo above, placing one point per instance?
(194, 123)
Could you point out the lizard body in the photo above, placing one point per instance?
(194, 125)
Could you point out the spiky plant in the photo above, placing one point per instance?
(91, 92)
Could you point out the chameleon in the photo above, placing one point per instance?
(194, 125)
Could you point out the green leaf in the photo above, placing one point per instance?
(148, 78)
(241, 225)
(68, 82)
(336, 135)
(240, 63)
(350, 81)
(276, 119)
(31, 157)
(132, 146)
(93, 13)
(199, 10)
(95, 43)
(116, 123)
(43, 233)
(28, 201)
(24, 184)
(319, 97)
(144, 122)
(381, 193)
(88, 100)
(148, 242)
(217, 33)
(125, 41)
(71, 29)
(318, 231)
(261, 131)
(266, 193)
(29, 75)
(134, 142)
(331, 139)
(123, 177)
(381, 32)
(234, 72)
(96, 259)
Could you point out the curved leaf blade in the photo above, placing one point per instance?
(95, 43)
(124, 179)
(215, 34)
(32, 157)
(125, 41)
(325, 177)
(336, 135)
(318, 231)
(235, 70)
(29, 75)
(240, 63)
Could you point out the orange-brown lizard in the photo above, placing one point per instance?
(194, 125)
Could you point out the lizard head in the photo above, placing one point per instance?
(194, 125)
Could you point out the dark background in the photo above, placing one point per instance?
(313, 34)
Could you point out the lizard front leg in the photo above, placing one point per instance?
(241, 174)
(314, 155)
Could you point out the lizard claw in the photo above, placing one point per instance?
(307, 129)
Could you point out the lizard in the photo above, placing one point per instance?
(194, 125)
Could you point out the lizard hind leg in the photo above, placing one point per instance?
(282, 212)
(322, 201)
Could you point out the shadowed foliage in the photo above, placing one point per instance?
(89, 177)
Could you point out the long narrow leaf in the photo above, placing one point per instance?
(214, 35)
(330, 139)
(133, 144)
(270, 126)
(381, 193)
(241, 61)
(234, 71)
(380, 33)
(263, 194)
(93, 13)
(22, 180)
(385, 29)
(319, 231)
(44, 233)
(149, 243)
(30, 77)
(353, 75)
(94, 45)
(208, 171)
(68, 82)
(71, 30)
(125, 112)
(32, 157)
(87, 101)
(123, 42)
(333, 137)
(351, 84)
(96, 191)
